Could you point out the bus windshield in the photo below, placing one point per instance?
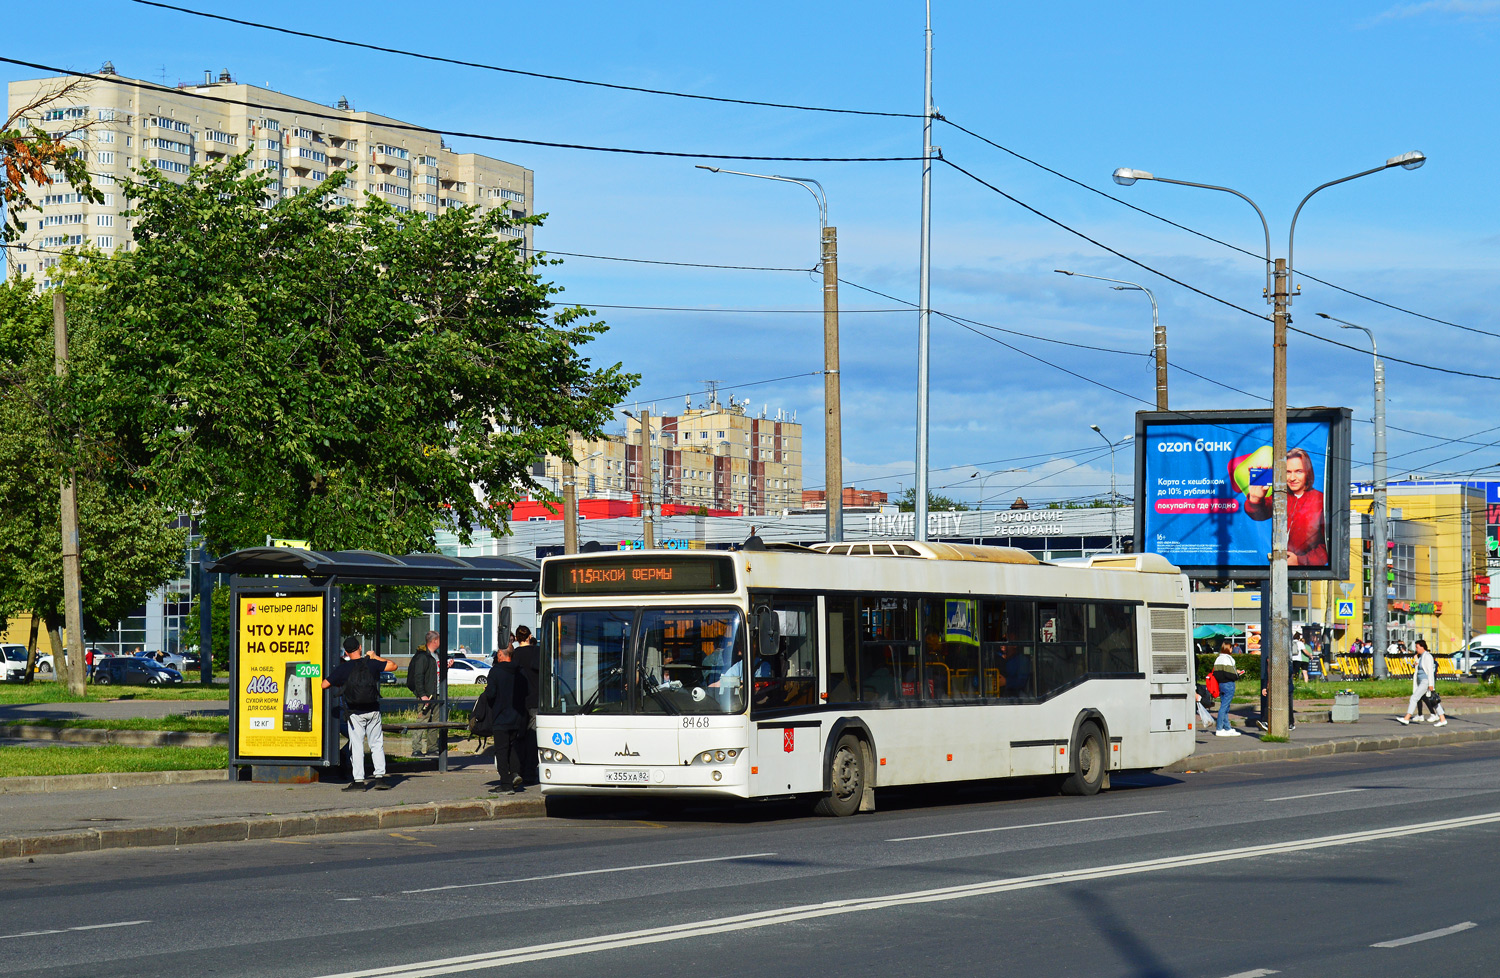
(646, 661)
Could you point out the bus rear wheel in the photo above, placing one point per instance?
(846, 779)
(1089, 760)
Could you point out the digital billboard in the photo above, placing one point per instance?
(278, 667)
(1203, 491)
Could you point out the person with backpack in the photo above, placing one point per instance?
(527, 656)
(422, 680)
(358, 676)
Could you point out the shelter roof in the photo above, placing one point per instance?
(372, 567)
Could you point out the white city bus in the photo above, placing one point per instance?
(788, 672)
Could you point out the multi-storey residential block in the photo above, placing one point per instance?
(715, 457)
(297, 142)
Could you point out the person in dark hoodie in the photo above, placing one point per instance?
(506, 691)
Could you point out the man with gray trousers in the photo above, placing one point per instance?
(422, 680)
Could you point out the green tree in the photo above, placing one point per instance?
(935, 503)
(127, 545)
(337, 373)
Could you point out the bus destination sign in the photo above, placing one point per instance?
(654, 574)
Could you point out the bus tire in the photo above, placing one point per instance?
(1090, 762)
(847, 778)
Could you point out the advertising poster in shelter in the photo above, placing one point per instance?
(1204, 491)
(279, 676)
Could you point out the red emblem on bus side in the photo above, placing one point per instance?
(787, 734)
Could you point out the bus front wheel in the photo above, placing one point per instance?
(846, 779)
(1089, 763)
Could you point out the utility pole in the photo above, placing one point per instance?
(1280, 596)
(648, 530)
(833, 442)
(924, 293)
(1379, 611)
(72, 585)
(570, 508)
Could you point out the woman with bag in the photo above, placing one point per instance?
(1424, 687)
(1226, 673)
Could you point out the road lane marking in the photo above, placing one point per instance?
(1029, 825)
(1430, 935)
(64, 930)
(1257, 973)
(1318, 794)
(785, 915)
(591, 872)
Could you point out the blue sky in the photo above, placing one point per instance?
(1272, 100)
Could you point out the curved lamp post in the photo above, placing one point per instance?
(1279, 294)
(1157, 330)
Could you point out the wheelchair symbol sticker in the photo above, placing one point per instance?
(562, 739)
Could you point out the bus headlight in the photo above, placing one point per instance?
(554, 756)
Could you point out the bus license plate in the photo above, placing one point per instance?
(628, 777)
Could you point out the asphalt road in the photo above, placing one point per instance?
(1351, 865)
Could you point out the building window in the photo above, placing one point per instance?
(106, 115)
(105, 137)
(105, 241)
(172, 145)
(105, 220)
(105, 156)
(171, 124)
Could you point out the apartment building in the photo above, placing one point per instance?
(298, 143)
(715, 456)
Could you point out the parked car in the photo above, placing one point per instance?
(134, 671)
(469, 671)
(169, 659)
(15, 662)
(1484, 662)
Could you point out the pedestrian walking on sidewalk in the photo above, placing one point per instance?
(422, 680)
(359, 678)
(1424, 686)
(1227, 673)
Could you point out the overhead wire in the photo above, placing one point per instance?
(1207, 237)
(429, 130)
(517, 71)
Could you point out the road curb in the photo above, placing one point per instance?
(45, 784)
(273, 826)
(1291, 752)
(123, 738)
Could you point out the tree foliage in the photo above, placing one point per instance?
(936, 503)
(31, 156)
(127, 543)
(327, 371)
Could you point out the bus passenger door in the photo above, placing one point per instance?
(788, 755)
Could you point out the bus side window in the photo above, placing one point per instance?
(1063, 633)
(1008, 631)
(840, 660)
(1112, 639)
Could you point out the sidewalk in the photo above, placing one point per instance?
(1376, 729)
(225, 811)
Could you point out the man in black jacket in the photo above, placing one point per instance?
(527, 657)
(422, 680)
(506, 692)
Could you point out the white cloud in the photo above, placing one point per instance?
(1461, 9)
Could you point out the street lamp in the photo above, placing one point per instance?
(833, 450)
(1279, 294)
(1114, 508)
(1157, 330)
(983, 477)
(1379, 593)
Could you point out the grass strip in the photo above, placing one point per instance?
(16, 694)
(176, 723)
(16, 762)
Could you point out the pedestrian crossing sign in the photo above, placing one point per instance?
(1346, 609)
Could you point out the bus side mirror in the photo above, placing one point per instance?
(767, 632)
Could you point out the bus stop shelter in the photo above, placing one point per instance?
(281, 572)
